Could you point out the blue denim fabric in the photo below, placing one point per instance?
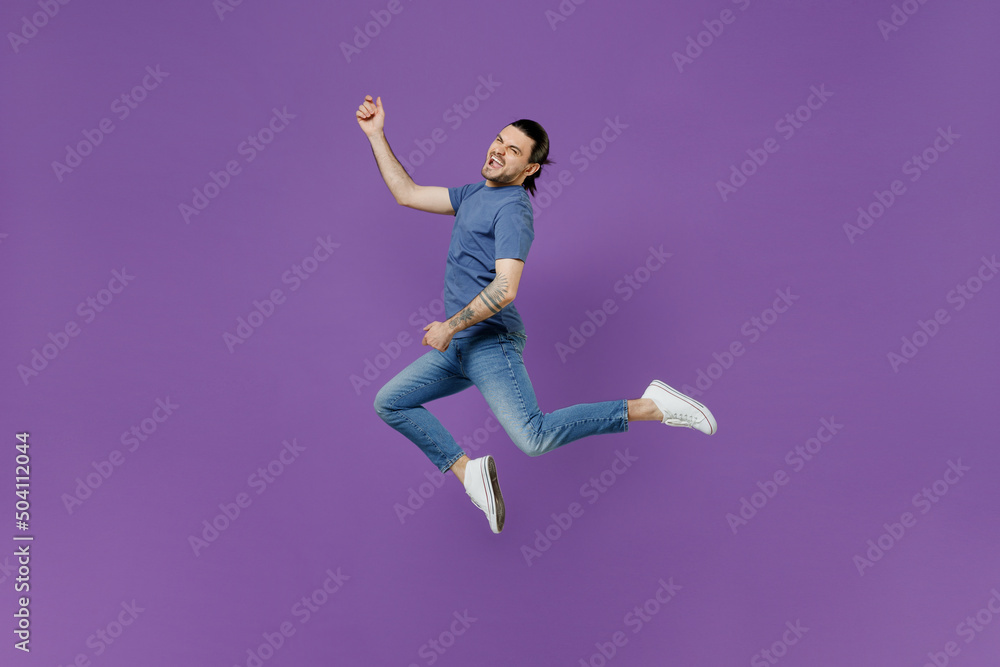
(492, 362)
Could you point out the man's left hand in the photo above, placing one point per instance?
(438, 336)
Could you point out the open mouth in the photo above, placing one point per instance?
(494, 162)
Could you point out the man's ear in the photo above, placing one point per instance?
(532, 168)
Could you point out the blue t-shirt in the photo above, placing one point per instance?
(491, 223)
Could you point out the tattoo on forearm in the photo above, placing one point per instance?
(492, 296)
(495, 293)
(462, 317)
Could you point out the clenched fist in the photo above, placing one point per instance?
(438, 336)
(371, 117)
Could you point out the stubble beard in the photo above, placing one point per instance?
(501, 177)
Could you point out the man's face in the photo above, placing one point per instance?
(507, 158)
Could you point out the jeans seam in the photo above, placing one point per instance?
(397, 397)
(540, 433)
(416, 427)
(426, 435)
(582, 421)
(513, 378)
(449, 464)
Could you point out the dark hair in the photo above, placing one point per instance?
(540, 151)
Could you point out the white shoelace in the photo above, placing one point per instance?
(681, 420)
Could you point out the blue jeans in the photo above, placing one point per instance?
(492, 362)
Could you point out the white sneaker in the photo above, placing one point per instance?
(680, 410)
(482, 486)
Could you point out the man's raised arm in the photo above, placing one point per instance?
(432, 199)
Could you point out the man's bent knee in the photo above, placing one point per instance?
(383, 402)
(531, 444)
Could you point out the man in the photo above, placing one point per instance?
(482, 340)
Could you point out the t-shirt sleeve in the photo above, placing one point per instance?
(458, 194)
(514, 231)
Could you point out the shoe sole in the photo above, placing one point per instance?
(705, 412)
(493, 495)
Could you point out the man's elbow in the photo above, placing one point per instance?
(404, 197)
(508, 299)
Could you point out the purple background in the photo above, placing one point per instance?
(336, 504)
